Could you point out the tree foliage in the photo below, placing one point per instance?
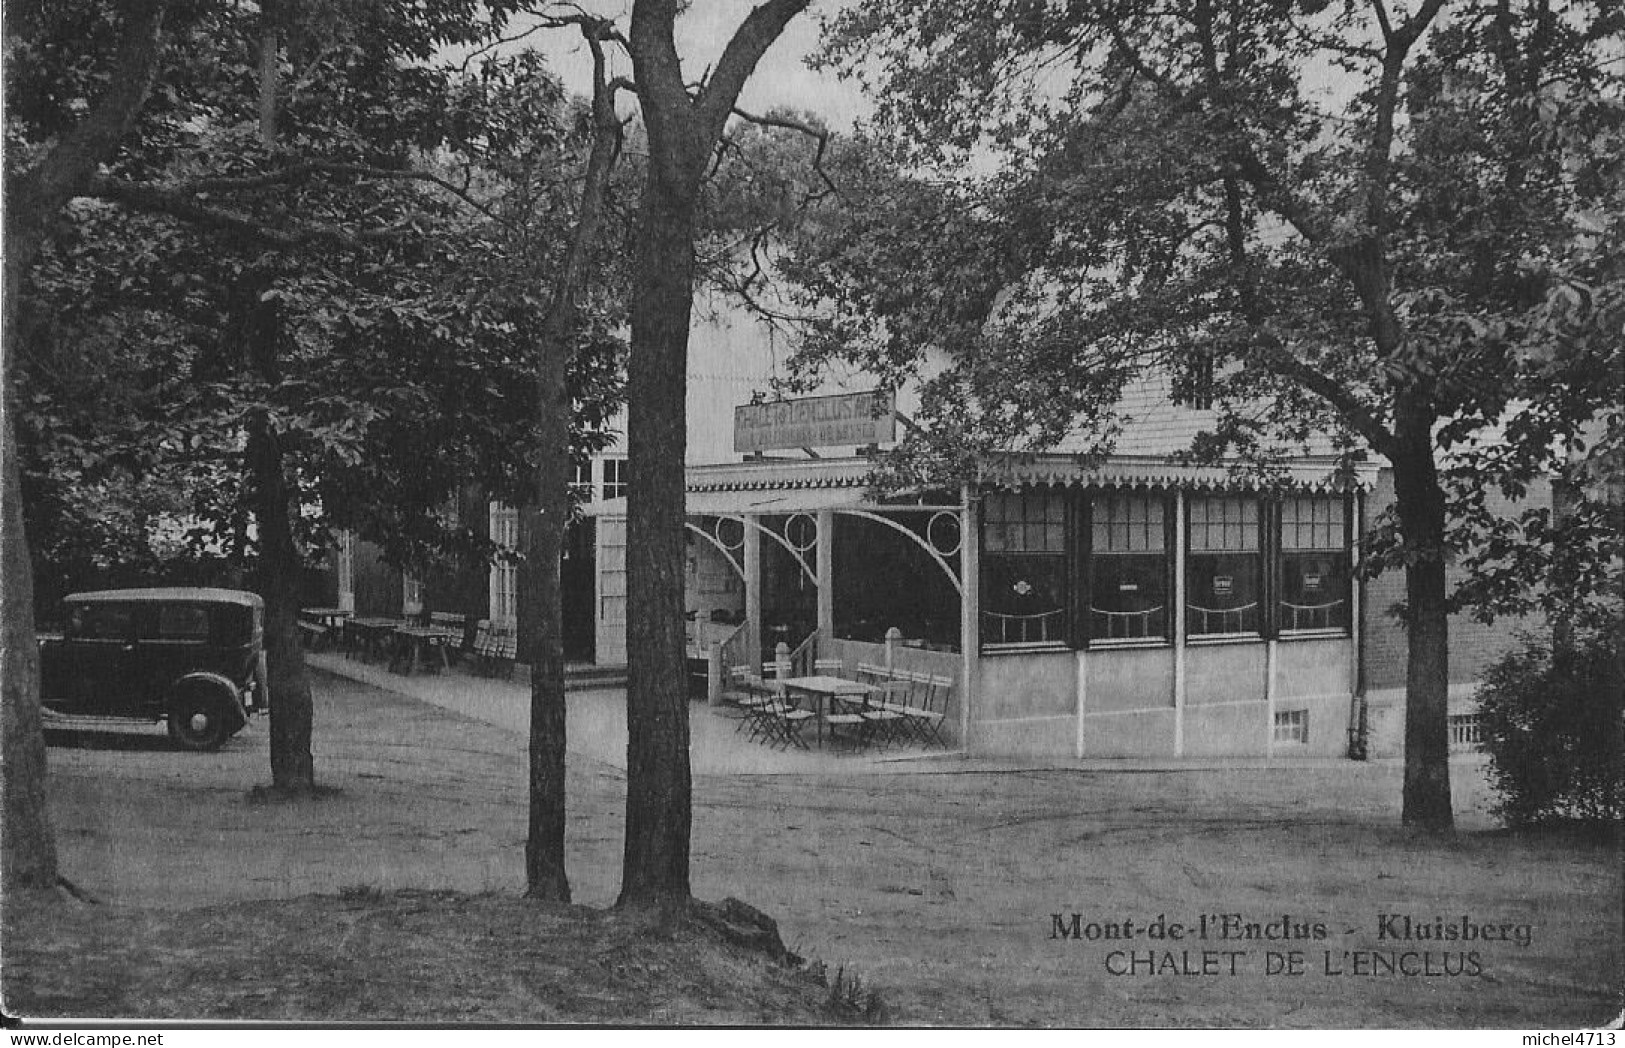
(405, 371)
(1551, 722)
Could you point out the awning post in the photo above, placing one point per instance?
(825, 567)
(753, 596)
(970, 598)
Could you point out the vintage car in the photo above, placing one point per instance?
(192, 656)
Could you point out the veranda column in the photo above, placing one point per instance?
(970, 604)
(825, 555)
(1179, 623)
(753, 595)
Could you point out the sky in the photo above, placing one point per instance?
(782, 78)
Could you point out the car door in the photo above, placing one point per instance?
(175, 641)
(99, 651)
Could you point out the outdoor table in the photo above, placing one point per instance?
(323, 624)
(824, 688)
(371, 635)
(414, 644)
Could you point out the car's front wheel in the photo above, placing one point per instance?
(198, 722)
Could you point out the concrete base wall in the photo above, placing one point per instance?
(1238, 729)
(1028, 737)
(1029, 704)
(1148, 733)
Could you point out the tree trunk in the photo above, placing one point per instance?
(683, 130)
(279, 565)
(544, 844)
(655, 868)
(277, 580)
(1421, 509)
(29, 848)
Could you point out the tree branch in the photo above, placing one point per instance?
(185, 206)
(750, 41)
(295, 171)
(39, 193)
(818, 134)
(1359, 416)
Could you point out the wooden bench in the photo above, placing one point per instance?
(455, 628)
(314, 634)
(495, 649)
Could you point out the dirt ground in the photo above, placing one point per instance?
(950, 885)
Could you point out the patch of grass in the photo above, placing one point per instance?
(847, 999)
(400, 956)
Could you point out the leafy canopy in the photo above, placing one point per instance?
(1396, 225)
(398, 232)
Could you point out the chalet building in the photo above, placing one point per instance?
(1136, 607)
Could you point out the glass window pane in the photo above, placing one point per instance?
(1127, 523)
(183, 622)
(1023, 599)
(1223, 524)
(1222, 593)
(101, 622)
(1314, 591)
(1026, 522)
(1313, 523)
(1128, 596)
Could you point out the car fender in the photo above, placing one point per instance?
(218, 684)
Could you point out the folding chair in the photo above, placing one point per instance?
(747, 693)
(928, 709)
(885, 701)
(788, 719)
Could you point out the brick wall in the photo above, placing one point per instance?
(1473, 645)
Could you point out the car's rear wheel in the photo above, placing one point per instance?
(198, 721)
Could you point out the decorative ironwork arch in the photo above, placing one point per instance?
(727, 554)
(930, 550)
(797, 552)
(789, 547)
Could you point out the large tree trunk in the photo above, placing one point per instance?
(544, 845)
(277, 581)
(655, 868)
(29, 849)
(683, 130)
(1421, 509)
(33, 200)
(279, 565)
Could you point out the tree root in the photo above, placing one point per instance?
(280, 794)
(75, 892)
(742, 924)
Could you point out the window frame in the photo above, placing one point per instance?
(1059, 639)
(1086, 557)
(1343, 557)
(1260, 554)
(1268, 565)
(613, 487)
(503, 593)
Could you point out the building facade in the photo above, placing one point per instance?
(1139, 606)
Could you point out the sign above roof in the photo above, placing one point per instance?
(847, 420)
